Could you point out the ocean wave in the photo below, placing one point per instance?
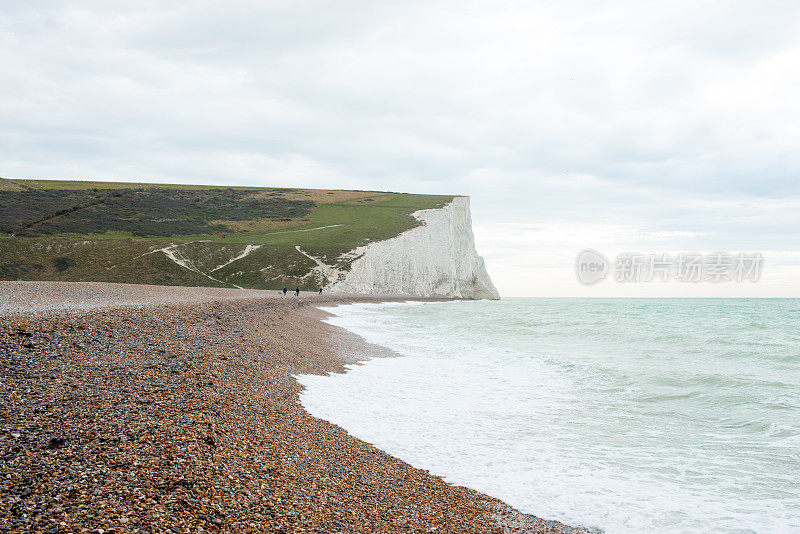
(656, 416)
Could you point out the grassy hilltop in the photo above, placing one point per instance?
(173, 234)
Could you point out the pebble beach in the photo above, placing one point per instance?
(149, 409)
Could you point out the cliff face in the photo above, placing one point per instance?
(436, 259)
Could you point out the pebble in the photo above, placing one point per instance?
(160, 417)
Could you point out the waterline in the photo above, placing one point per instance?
(629, 415)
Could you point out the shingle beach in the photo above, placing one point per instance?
(160, 409)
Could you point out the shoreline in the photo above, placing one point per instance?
(156, 416)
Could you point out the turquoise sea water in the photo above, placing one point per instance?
(651, 415)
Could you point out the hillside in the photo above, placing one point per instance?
(264, 238)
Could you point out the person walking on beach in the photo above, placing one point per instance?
(297, 292)
(320, 291)
(284, 291)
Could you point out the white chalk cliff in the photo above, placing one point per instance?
(436, 259)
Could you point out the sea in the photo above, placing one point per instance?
(626, 415)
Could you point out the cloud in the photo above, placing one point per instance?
(676, 118)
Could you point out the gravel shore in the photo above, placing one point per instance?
(142, 409)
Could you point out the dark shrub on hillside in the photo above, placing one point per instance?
(143, 212)
(63, 263)
(18, 271)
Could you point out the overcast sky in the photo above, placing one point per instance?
(644, 126)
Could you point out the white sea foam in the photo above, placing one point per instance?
(622, 415)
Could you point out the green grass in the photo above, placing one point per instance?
(83, 260)
(97, 231)
(358, 224)
(8, 185)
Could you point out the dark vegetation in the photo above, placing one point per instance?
(140, 212)
(62, 263)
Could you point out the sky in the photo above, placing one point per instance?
(637, 126)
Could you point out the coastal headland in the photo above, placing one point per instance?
(363, 242)
(171, 409)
